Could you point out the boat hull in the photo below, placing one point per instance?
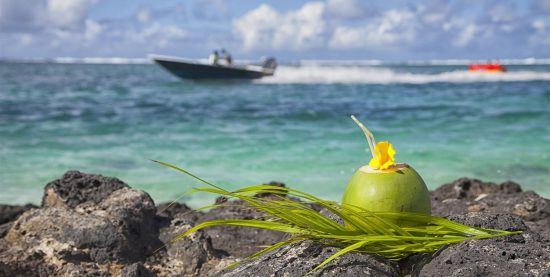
(193, 70)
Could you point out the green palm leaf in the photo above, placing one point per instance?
(290, 211)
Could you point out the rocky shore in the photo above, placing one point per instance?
(91, 225)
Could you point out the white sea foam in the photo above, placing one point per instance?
(101, 60)
(379, 75)
(527, 61)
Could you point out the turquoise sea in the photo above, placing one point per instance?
(293, 127)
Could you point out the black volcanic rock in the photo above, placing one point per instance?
(76, 231)
(9, 213)
(188, 256)
(121, 228)
(527, 254)
(470, 195)
(136, 270)
(237, 241)
(466, 188)
(166, 212)
(91, 225)
(298, 259)
(76, 188)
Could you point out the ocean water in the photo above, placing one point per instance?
(293, 127)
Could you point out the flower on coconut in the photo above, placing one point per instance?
(383, 156)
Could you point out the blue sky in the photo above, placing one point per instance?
(289, 30)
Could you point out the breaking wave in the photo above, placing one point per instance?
(315, 74)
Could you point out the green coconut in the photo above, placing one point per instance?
(398, 188)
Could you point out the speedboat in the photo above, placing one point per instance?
(193, 69)
(487, 67)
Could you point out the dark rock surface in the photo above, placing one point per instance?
(75, 232)
(189, 256)
(298, 259)
(9, 213)
(526, 254)
(166, 212)
(466, 188)
(120, 228)
(91, 225)
(136, 270)
(470, 195)
(76, 188)
(236, 241)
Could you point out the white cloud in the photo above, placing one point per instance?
(212, 10)
(335, 28)
(348, 37)
(21, 16)
(158, 30)
(59, 25)
(156, 34)
(143, 15)
(541, 36)
(502, 13)
(392, 28)
(542, 6)
(25, 39)
(346, 9)
(539, 25)
(68, 13)
(436, 12)
(93, 30)
(257, 27)
(266, 28)
(465, 36)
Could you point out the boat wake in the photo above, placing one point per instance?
(315, 74)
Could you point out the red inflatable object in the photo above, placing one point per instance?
(487, 67)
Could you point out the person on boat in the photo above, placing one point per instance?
(213, 58)
(226, 57)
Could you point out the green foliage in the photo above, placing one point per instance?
(363, 231)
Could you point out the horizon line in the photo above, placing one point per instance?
(295, 62)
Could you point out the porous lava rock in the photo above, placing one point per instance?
(87, 223)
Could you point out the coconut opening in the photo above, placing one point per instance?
(367, 169)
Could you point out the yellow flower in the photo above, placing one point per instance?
(383, 156)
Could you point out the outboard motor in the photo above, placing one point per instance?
(269, 63)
